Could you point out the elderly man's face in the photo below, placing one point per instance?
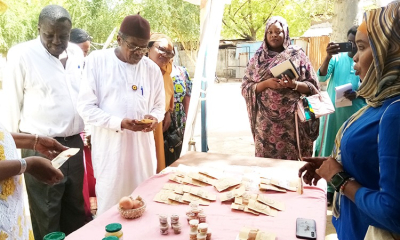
(132, 48)
(54, 35)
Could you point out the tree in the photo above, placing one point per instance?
(246, 19)
(178, 19)
(346, 14)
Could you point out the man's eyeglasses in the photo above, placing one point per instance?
(133, 48)
(164, 52)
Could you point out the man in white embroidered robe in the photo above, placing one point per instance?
(121, 87)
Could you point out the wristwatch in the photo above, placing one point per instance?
(338, 180)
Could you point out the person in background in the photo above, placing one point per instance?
(271, 102)
(13, 224)
(81, 38)
(161, 51)
(338, 67)
(182, 91)
(41, 84)
(121, 87)
(364, 167)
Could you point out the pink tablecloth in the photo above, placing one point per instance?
(223, 222)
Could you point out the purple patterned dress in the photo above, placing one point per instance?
(272, 112)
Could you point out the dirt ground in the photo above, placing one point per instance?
(229, 128)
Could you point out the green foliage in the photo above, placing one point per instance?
(246, 19)
(177, 18)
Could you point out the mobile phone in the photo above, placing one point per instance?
(289, 73)
(306, 228)
(345, 47)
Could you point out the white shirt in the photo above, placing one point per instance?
(40, 95)
(121, 159)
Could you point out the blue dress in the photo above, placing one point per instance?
(340, 71)
(376, 166)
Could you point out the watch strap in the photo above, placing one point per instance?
(339, 179)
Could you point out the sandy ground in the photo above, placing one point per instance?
(229, 128)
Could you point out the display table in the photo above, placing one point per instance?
(223, 222)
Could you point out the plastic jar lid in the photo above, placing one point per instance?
(55, 236)
(111, 238)
(113, 227)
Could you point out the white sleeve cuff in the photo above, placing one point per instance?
(115, 123)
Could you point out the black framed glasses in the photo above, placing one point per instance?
(133, 48)
(164, 52)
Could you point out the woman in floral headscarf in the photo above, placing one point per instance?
(271, 102)
(364, 167)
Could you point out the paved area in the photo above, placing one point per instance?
(229, 128)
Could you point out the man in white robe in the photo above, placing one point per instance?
(121, 87)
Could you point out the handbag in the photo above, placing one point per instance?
(310, 108)
(314, 106)
(173, 137)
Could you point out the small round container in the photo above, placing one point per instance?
(174, 219)
(202, 228)
(177, 228)
(163, 218)
(110, 238)
(194, 223)
(196, 210)
(193, 235)
(55, 236)
(201, 236)
(114, 229)
(202, 217)
(208, 235)
(190, 214)
(164, 230)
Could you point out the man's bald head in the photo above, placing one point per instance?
(54, 13)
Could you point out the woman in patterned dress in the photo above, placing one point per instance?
(13, 223)
(182, 92)
(271, 102)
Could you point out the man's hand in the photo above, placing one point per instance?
(167, 121)
(152, 125)
(332, 49)
(88, 141)
(133, 125)
(42, 170)
(313, 163)
(49, 147)
(350, 94)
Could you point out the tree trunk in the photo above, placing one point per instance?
(346, 15)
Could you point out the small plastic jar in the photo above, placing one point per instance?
(114, 229)
(193, 235)
(174, 219)
(55, 236)
(164, 229)
(208, 235)
(202, 217)
(202, 228)
(177, 228)
(110, 238)
(163, 219)
(201, 236)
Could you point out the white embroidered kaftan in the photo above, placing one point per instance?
(112, 90)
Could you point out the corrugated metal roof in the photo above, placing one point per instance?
(317, 30)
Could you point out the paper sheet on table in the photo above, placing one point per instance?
(58, 161)
(340, 100)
